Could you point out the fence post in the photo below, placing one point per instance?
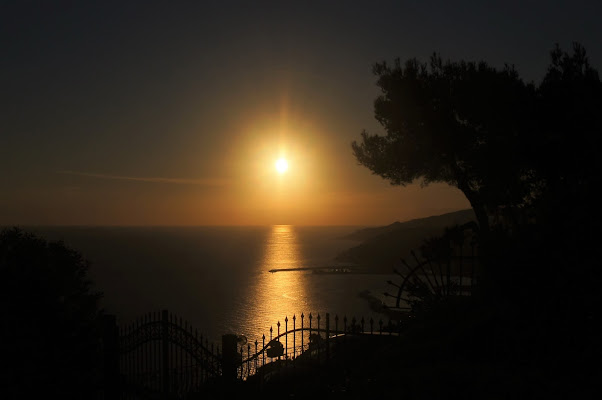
(263, 348)
(327, 336)
(310, 318)
(256, 358)
(302, 317)
(278, 337)
(319, 337)
(165, 351)
(294, 336)
(229, 355)
(286, 338)
(111, 357)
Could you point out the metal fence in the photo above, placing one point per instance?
(310, 338)
(161, 355)
(158, 353)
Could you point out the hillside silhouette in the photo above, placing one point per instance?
(381, 248)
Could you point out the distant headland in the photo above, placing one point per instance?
(381, 248)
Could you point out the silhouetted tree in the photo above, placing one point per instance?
(525, 156)
(452, 122)
(565, 146)
(505, 144)
(50, 337)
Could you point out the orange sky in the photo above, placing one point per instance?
(175, 114)
(323, 186)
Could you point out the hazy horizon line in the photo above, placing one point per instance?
(2, 226)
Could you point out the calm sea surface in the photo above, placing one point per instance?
(218, 278)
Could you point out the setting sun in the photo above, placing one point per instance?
(281, 166)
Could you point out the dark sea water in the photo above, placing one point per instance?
(217, 278)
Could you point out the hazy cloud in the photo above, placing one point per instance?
(178, 181)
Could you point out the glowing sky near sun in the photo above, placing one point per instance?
(176, 115)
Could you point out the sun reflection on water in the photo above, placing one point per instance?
(282, 249)
(270, 297)
(277, 294)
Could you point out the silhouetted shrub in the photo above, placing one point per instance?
(50, 338)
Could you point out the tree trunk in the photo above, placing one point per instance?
(482, 217)
(488, 265)
(478, 207)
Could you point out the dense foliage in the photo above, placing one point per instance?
(50, 339)
(525, 156)
(513, 148)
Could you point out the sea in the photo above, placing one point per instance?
(218, 279)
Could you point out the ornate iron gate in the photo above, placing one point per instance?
(158, 355)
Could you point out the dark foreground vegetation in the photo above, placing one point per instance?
(526, 157)
(458, 350)
(50, 339)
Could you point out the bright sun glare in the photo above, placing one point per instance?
(281, 166)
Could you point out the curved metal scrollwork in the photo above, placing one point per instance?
(176, 335)
(447, 268)
(158, 353)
